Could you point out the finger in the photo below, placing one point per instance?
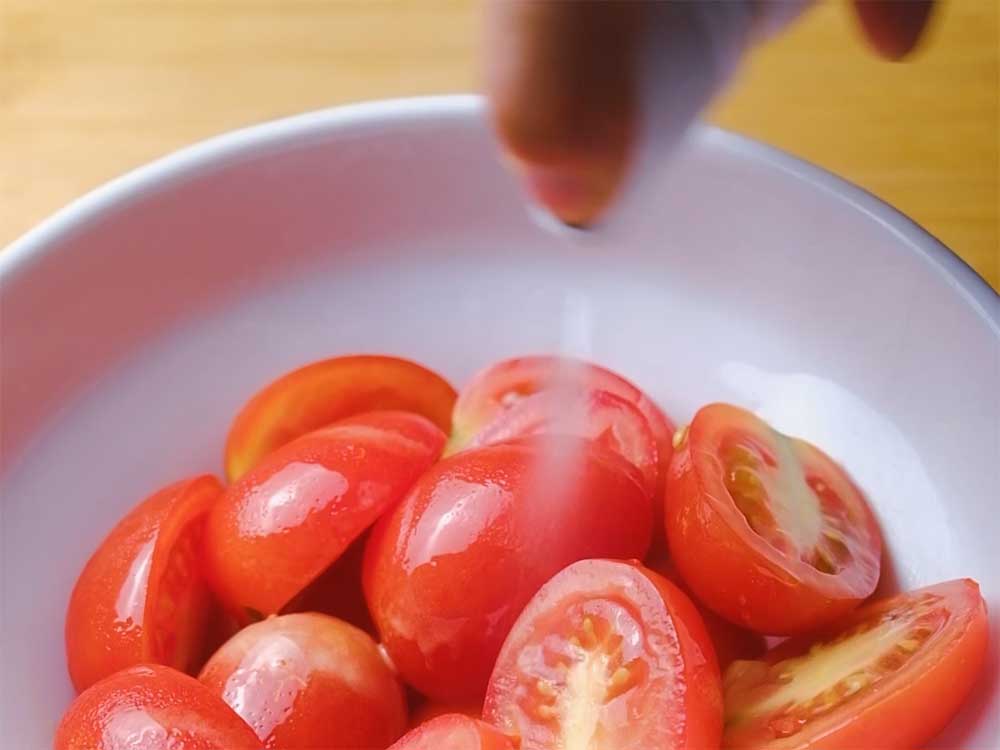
(893, 27)
(562, 83)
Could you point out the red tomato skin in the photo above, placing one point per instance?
(324, 392)
(454, 732)
(112, 607)
(730, 642)
(151, 707)
(305, 681)
(910, 713)
(692, 712)
(595, 414)
(428, 710)
(444, 594)
(716, 563)
(292, 516)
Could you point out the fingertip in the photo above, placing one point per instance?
(894, 27)
(561, 83)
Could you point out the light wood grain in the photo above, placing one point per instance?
(92, 88)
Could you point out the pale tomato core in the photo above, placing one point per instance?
(790, 694)
(181, 603)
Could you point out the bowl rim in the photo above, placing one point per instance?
(43, 239)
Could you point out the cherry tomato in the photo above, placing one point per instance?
(448, 571)
(599, 415)
(890, 676)
(142, 596)
(608, 656)
(766, 529)
(324, 392)
(286, 521)
(428, 710)
(337, 591)
(309, 681)
(731, 642)
(151, 707)
(498, 387)
(454, 732)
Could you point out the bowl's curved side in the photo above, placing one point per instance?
(951, 266)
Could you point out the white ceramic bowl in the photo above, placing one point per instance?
(136, 321)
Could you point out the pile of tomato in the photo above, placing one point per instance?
(541, 561)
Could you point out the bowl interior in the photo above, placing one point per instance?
(136, 323)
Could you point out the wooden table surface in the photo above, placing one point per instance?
(91, 88)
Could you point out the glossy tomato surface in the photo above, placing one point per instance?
(454, 732)
(607, 656)
(889, 676)
(766, 529)
(324, 392)
(286, 521)
(611, 420)
(305, 681)
(151, 707)
(448, 571)
(499, 386)
(427, 710)
(731, 642)
(142, 596)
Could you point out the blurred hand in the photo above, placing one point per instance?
(573, 83)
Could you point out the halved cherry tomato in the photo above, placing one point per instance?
(142, 596)
(285, 522)
(498, 387)
(454, 732)
(599, 415)
(447, 572)
(151, 707)
(766, 529)
(324, 392)
(731, 642)
(427, 710)
(309, 681)
(890, 676)
(608, 656)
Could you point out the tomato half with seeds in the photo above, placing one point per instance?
(731, 642)
(767, 530)
(151, 707)
(890, 676)
(608, 656)
(448, 570)
(499, 386)
(290, 518)
(611, 420)
(142, 597)
(309, 681)
(324, 392)
(454, 732)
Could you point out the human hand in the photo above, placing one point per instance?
(575, 84)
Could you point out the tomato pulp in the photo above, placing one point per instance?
(766, 529)
(324, 392)
(608, 656)
(142, 596)
(890, 676)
